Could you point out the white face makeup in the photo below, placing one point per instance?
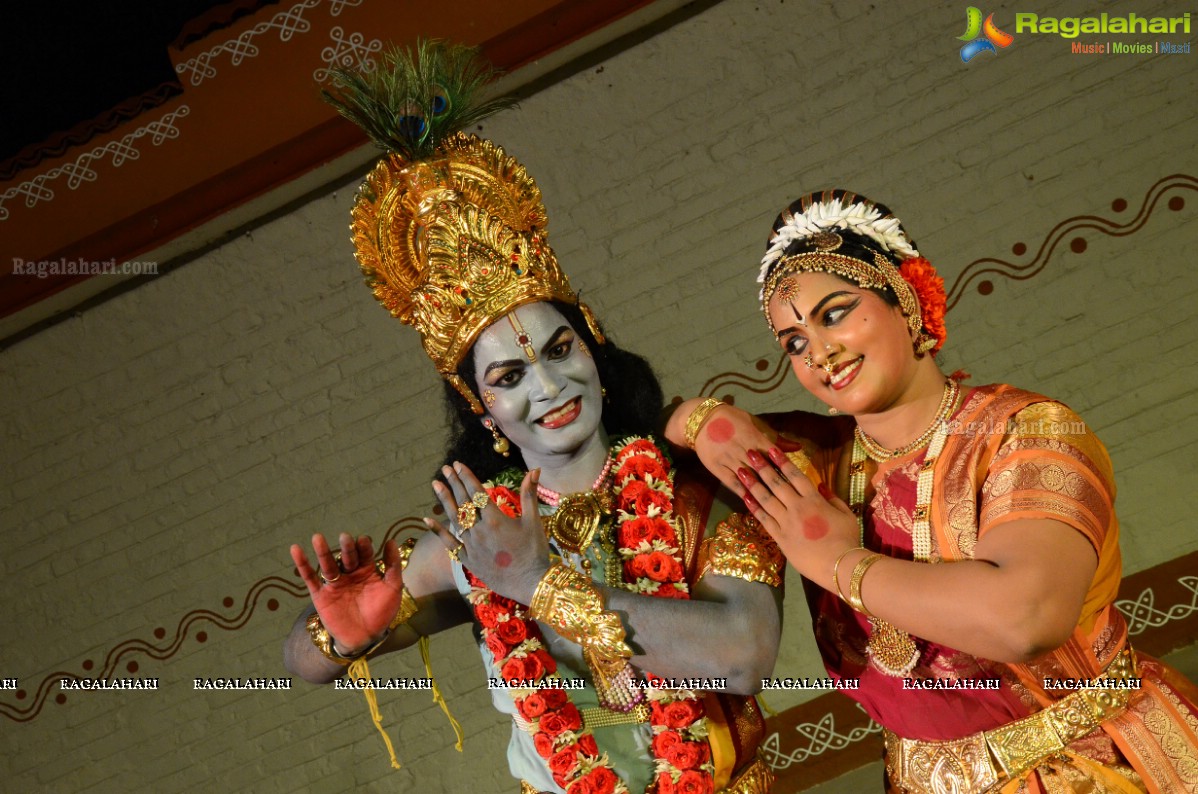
(548, 403)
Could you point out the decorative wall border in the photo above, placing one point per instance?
(288, 23)
(1072, 226)
(79, 170)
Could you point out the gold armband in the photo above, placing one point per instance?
(742, 548)
(573, 606)
(695, 421)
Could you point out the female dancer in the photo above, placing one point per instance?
(581, 562)
(959, 545)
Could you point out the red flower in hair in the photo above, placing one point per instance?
(929, 291)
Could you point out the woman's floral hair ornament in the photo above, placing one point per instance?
(839, 232)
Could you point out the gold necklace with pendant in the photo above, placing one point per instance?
(890, 649)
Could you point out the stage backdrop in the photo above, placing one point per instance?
(163, 449)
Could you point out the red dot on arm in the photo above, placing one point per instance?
(503, 559)
(814, 527)
(719, 430)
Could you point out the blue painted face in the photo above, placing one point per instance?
(537, 382)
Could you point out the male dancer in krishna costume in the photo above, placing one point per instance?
(574, 547)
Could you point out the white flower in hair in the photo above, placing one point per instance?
(839, 213)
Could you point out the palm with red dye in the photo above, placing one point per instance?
(355, 604)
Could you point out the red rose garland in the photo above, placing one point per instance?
(647, 538)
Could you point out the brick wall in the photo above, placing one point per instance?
(162, 450)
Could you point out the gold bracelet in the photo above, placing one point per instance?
(694, 422)
(572, 605)
(855, 583)
(836, 571)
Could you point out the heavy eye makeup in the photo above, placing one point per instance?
(828, 313)
(510, 372)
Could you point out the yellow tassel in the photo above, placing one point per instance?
(437, 697)
(358, 669)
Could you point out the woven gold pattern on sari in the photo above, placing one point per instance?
(982, 761)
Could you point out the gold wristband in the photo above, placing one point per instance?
(855, 582)
(572, 605)
(695, 421)
(836, 571)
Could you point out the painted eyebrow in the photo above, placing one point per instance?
(556, 339)
(516, 362)
(831, 296)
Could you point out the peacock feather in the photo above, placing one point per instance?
(416, 98)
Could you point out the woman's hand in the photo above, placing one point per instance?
(509, 554)
(724, 440)
(356, 605)
(811, 525)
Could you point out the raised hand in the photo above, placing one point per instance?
(355, 603)
(811, 525)
(509, 554)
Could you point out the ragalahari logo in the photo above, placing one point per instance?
(981, 36)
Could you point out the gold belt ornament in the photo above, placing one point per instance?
(981, 762)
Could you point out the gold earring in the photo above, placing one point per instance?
(501, 444)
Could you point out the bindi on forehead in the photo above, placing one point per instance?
(523, 338)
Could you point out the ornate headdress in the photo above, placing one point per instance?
(850, 236)
(448, 230)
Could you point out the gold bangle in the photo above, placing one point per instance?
(836, 571)
(855, 582)
(694, 422)
(572, 605)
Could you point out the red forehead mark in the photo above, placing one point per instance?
(503, 559)
(814, 527)
(719, 430)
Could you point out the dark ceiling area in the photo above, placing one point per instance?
(75, 69)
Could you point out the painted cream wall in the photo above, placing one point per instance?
(162, 450)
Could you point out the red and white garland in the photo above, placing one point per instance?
(647, 539)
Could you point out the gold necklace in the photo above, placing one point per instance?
(880, 454)
(892, 650)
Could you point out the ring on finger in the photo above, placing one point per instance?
(327, 580)
(467, 515)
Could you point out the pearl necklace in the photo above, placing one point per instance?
(890, 649)
(553, 498)
(880, 454)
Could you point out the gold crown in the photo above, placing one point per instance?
(451, 243)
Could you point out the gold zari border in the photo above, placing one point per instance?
(983, 761)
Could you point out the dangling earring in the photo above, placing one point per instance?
(603, 393)
(501, 444)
